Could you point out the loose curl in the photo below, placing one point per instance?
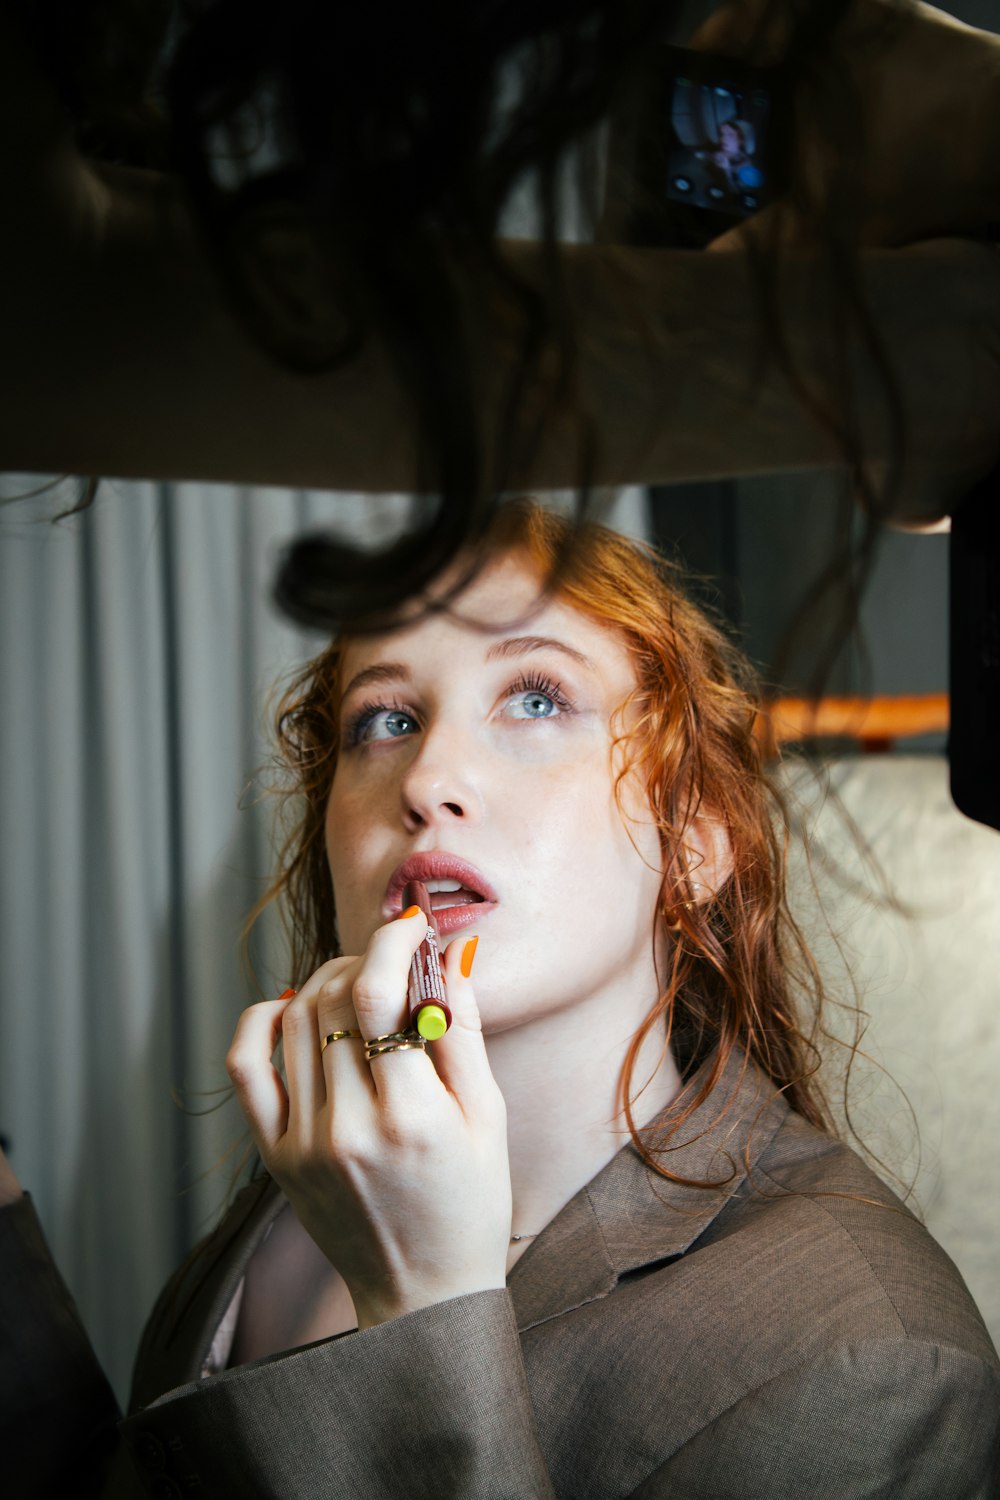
(739, 970)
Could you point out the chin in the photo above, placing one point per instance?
(512, 1012)
(501, 1026)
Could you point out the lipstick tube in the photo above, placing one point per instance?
(429, 1011)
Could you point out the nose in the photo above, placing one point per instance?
(441, 784)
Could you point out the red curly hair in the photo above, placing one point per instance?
(739, 969)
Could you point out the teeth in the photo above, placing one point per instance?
(442, 885)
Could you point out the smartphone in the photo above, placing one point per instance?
(698, 147)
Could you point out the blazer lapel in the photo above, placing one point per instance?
(629, 1216)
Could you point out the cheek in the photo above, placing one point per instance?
(577, 835)
(345, 826)
(346, 849)
(334, 830)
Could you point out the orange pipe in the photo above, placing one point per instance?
(879, 720)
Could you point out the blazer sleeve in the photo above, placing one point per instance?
(888, 1420)
(430, 1406)
(58, 1414)
(434, 1404)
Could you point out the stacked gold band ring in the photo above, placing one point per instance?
(340, 1036)
(394, 1041)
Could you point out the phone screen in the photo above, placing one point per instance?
(717, 136)
(697, 147)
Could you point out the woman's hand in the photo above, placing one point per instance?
(396, 1167)
(928, 91)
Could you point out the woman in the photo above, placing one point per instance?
(600, 1238)
(733, 153)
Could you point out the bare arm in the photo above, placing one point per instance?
(121, 356)
(927, 90)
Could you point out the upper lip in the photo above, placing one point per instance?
(435, 866)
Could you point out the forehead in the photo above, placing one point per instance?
(505, 600)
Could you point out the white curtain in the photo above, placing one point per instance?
(138, 643)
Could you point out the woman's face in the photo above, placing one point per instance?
(484, 758)
(730, 141)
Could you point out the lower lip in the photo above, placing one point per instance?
(451, 919)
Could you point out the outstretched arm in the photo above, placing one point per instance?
(122, 356)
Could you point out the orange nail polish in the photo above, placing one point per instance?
(469, 956)
(411, 911)
(288, 994)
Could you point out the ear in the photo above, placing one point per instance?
(710, 856)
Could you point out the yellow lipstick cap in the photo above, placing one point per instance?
(432, 1022)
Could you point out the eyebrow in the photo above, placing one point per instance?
(524, 645)
(515, 646)
(384, 671)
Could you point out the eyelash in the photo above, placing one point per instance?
(526, 682)
(358, 722)
(537, 682)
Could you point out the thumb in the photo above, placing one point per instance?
(457, 961)
(775, 228)
(460, 1055)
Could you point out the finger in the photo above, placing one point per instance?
(460, 1055)
(380, 1002)
(775, 228)
(303, 1066)
(260, 1092)
(380, 986)
(349, 1084)
(334, 1006)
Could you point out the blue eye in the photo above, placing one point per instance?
(535, 705)
(536, 697)
(377, 721)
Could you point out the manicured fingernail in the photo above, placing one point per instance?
(469, 956)
(288, 994)
(411, 911)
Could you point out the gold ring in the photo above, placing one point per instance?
(394, 1041)
(411, 1046)
(339, 1036)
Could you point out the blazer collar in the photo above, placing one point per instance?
(629, 1216)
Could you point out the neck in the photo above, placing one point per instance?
(561, 1079)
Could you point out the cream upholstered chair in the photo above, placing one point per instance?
(925, 958)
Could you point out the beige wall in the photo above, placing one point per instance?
(930, 982)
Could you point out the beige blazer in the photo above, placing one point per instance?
(792, 1333)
